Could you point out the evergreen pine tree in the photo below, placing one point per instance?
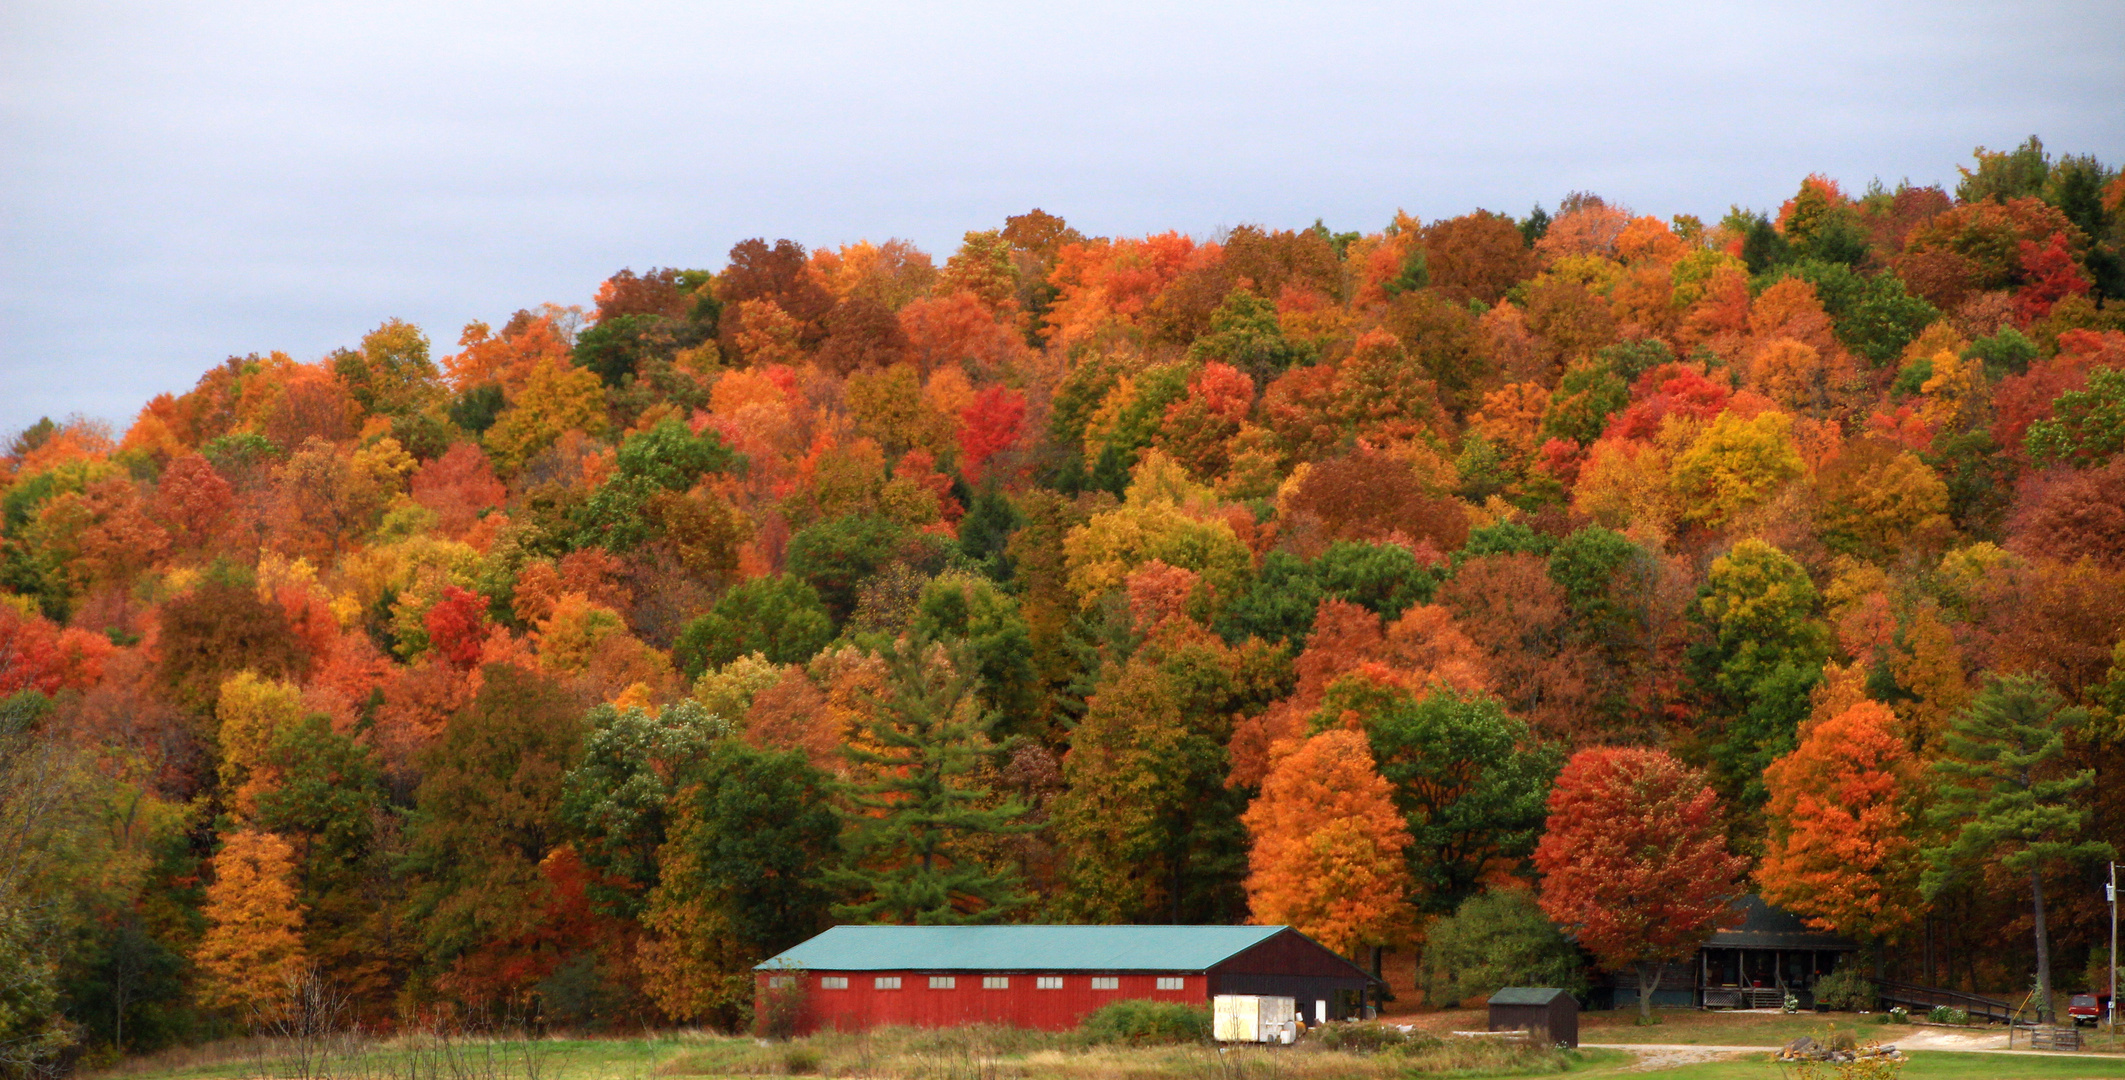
(921, 823)
(2003, 798)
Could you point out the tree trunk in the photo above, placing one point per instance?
(1648, 984)
(1929, 948)
(1173, 875)
(2043, 953)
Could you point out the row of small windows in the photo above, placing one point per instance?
(988, 982)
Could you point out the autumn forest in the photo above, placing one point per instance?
(1583, 566)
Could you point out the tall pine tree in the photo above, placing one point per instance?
(2003, 798)
(922, 822)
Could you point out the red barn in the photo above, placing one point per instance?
(856, 977)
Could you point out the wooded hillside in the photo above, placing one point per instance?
(569, 669)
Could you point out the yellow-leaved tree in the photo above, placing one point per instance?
(252, 711)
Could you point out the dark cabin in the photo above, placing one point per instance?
(855, 977)
(1763, 953)
(1771, 953)
(1552, 1015)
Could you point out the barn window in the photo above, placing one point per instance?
(886, 982)
(1047, 982)
(1106, 982)
(942, 982)
(995, 982)
(781, 982)
(833, 982)
(1172, 982)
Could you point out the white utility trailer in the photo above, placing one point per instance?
(1249, 1018)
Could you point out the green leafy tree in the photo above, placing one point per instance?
(1244, 332)
(1583, 401)
(326, 803)
(2005, 797)
(1278, 606)
(1760, 655)
(1762, 247)
(1136, 423)
(986, 530)
(2087, 426)
(615, 800)
(1415, 274)
(743, 876)
(835, 557)
(666, 458)
(1875, 316)
(1382, 578)
(917, 827)
(1505, 538)
(1604, 576)
(1150, 832)
(2006, 174)
(1496, 938)
(34, 788)
(616, 347)
(780, 617)
(757, 831)
(2007, 352)
(1630, 359)
(959, 608)
(488, 811)
(1469, 779)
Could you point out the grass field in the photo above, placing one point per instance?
(1924, 1065)
(1010, 1054)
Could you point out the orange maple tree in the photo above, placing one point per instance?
(1328, 846)
(1840, 850)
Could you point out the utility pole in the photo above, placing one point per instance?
(2113, 891)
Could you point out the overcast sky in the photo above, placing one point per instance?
(184, 182)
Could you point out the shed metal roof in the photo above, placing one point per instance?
(1765, 927)
(1022, 948)
(1528, 995)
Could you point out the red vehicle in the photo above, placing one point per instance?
(2087, 1008)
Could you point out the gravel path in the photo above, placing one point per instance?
(1656, 1056)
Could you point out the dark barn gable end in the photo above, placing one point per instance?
(855, 977)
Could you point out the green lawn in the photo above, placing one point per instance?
(1924, 1065)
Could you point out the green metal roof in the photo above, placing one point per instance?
(1022, 948)
(1528, 995)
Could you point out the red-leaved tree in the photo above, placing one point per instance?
(1634, 862)
(987, 426)
(2052, 275)
(457, 627)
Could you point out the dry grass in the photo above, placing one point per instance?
(973, 1053)
(979, 1053)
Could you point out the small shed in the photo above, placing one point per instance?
(1546, 1010)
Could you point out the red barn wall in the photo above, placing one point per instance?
(1020, 1005)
